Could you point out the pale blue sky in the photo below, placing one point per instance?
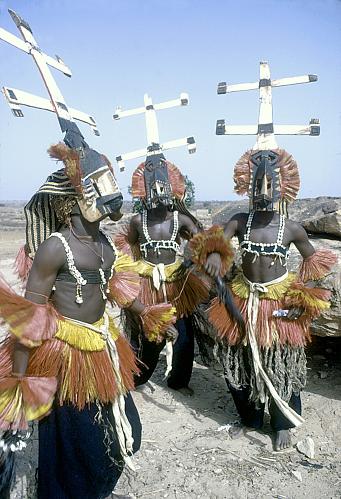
(120, 49)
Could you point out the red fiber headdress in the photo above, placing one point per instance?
(176, 180)
(289, 178)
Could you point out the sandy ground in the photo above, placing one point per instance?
(186, 451)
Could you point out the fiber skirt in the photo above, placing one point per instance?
(78, 358)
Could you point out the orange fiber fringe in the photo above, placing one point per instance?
(268, 328)
(185, 294)
(317, 265)
(28, 321)
(176, 180)
(82, 376)
(24, 399)
(138, 188)
(156, 319)
(71, 160)
(124, 288)
(209, 241)
(314, 300)
(22, 265)
(122, 243)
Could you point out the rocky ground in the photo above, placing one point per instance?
(186, 451)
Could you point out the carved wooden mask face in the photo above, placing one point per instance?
(101, 196)
(157, 184)
(265, 180)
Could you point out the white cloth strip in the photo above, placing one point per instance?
(252, 310)
(122, 424)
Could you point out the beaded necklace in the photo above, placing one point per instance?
(155, 244)
(277, 249)
(77, 275)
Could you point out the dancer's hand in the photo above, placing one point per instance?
(213, 265)
(294, 313)
(171, 334)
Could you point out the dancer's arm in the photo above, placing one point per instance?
(306, 297)
(48, 260)
(213, 263)
(187, 227)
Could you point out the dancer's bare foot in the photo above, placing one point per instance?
(282, 440)
(238, 430)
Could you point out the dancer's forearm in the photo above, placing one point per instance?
(20, 359)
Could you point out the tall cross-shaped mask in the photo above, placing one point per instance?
(98, 191)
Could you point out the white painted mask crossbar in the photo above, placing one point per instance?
(153, 141)
(266, 130)
(56, 104)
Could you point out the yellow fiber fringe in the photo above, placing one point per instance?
(155, 326)
(82, 338)
(307, 301)
(145, 269)
(12, 398)
(124, 263)
(275, 291)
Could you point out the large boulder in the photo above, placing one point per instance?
(305, 211)
(329, 223)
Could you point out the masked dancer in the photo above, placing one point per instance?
(63, 361)
(268, 361)
(154, 237)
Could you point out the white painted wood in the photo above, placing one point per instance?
(6, 36)
(151, 121)
(138, 153)
(240, 87)
(265, 96)
(56, 103)
(30, 100)
(27, 99)
(292, 129)
(294, 80)
(181, 101)
(278, 129)
(130, 112)
(179, 143)
(241, 129)
(152, 128)
(58, 64)
(267, 140)
(50, 84)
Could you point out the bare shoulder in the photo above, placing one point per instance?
(184, 219)
(238, 220)
(51, 253)
(135, 220)
(241, 217)
(296, 231)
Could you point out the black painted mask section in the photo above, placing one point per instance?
(158, 188)
(265, 183)
(98, 182)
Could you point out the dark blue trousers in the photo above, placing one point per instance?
(73, 457)
(183, 355)
(252, 415)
